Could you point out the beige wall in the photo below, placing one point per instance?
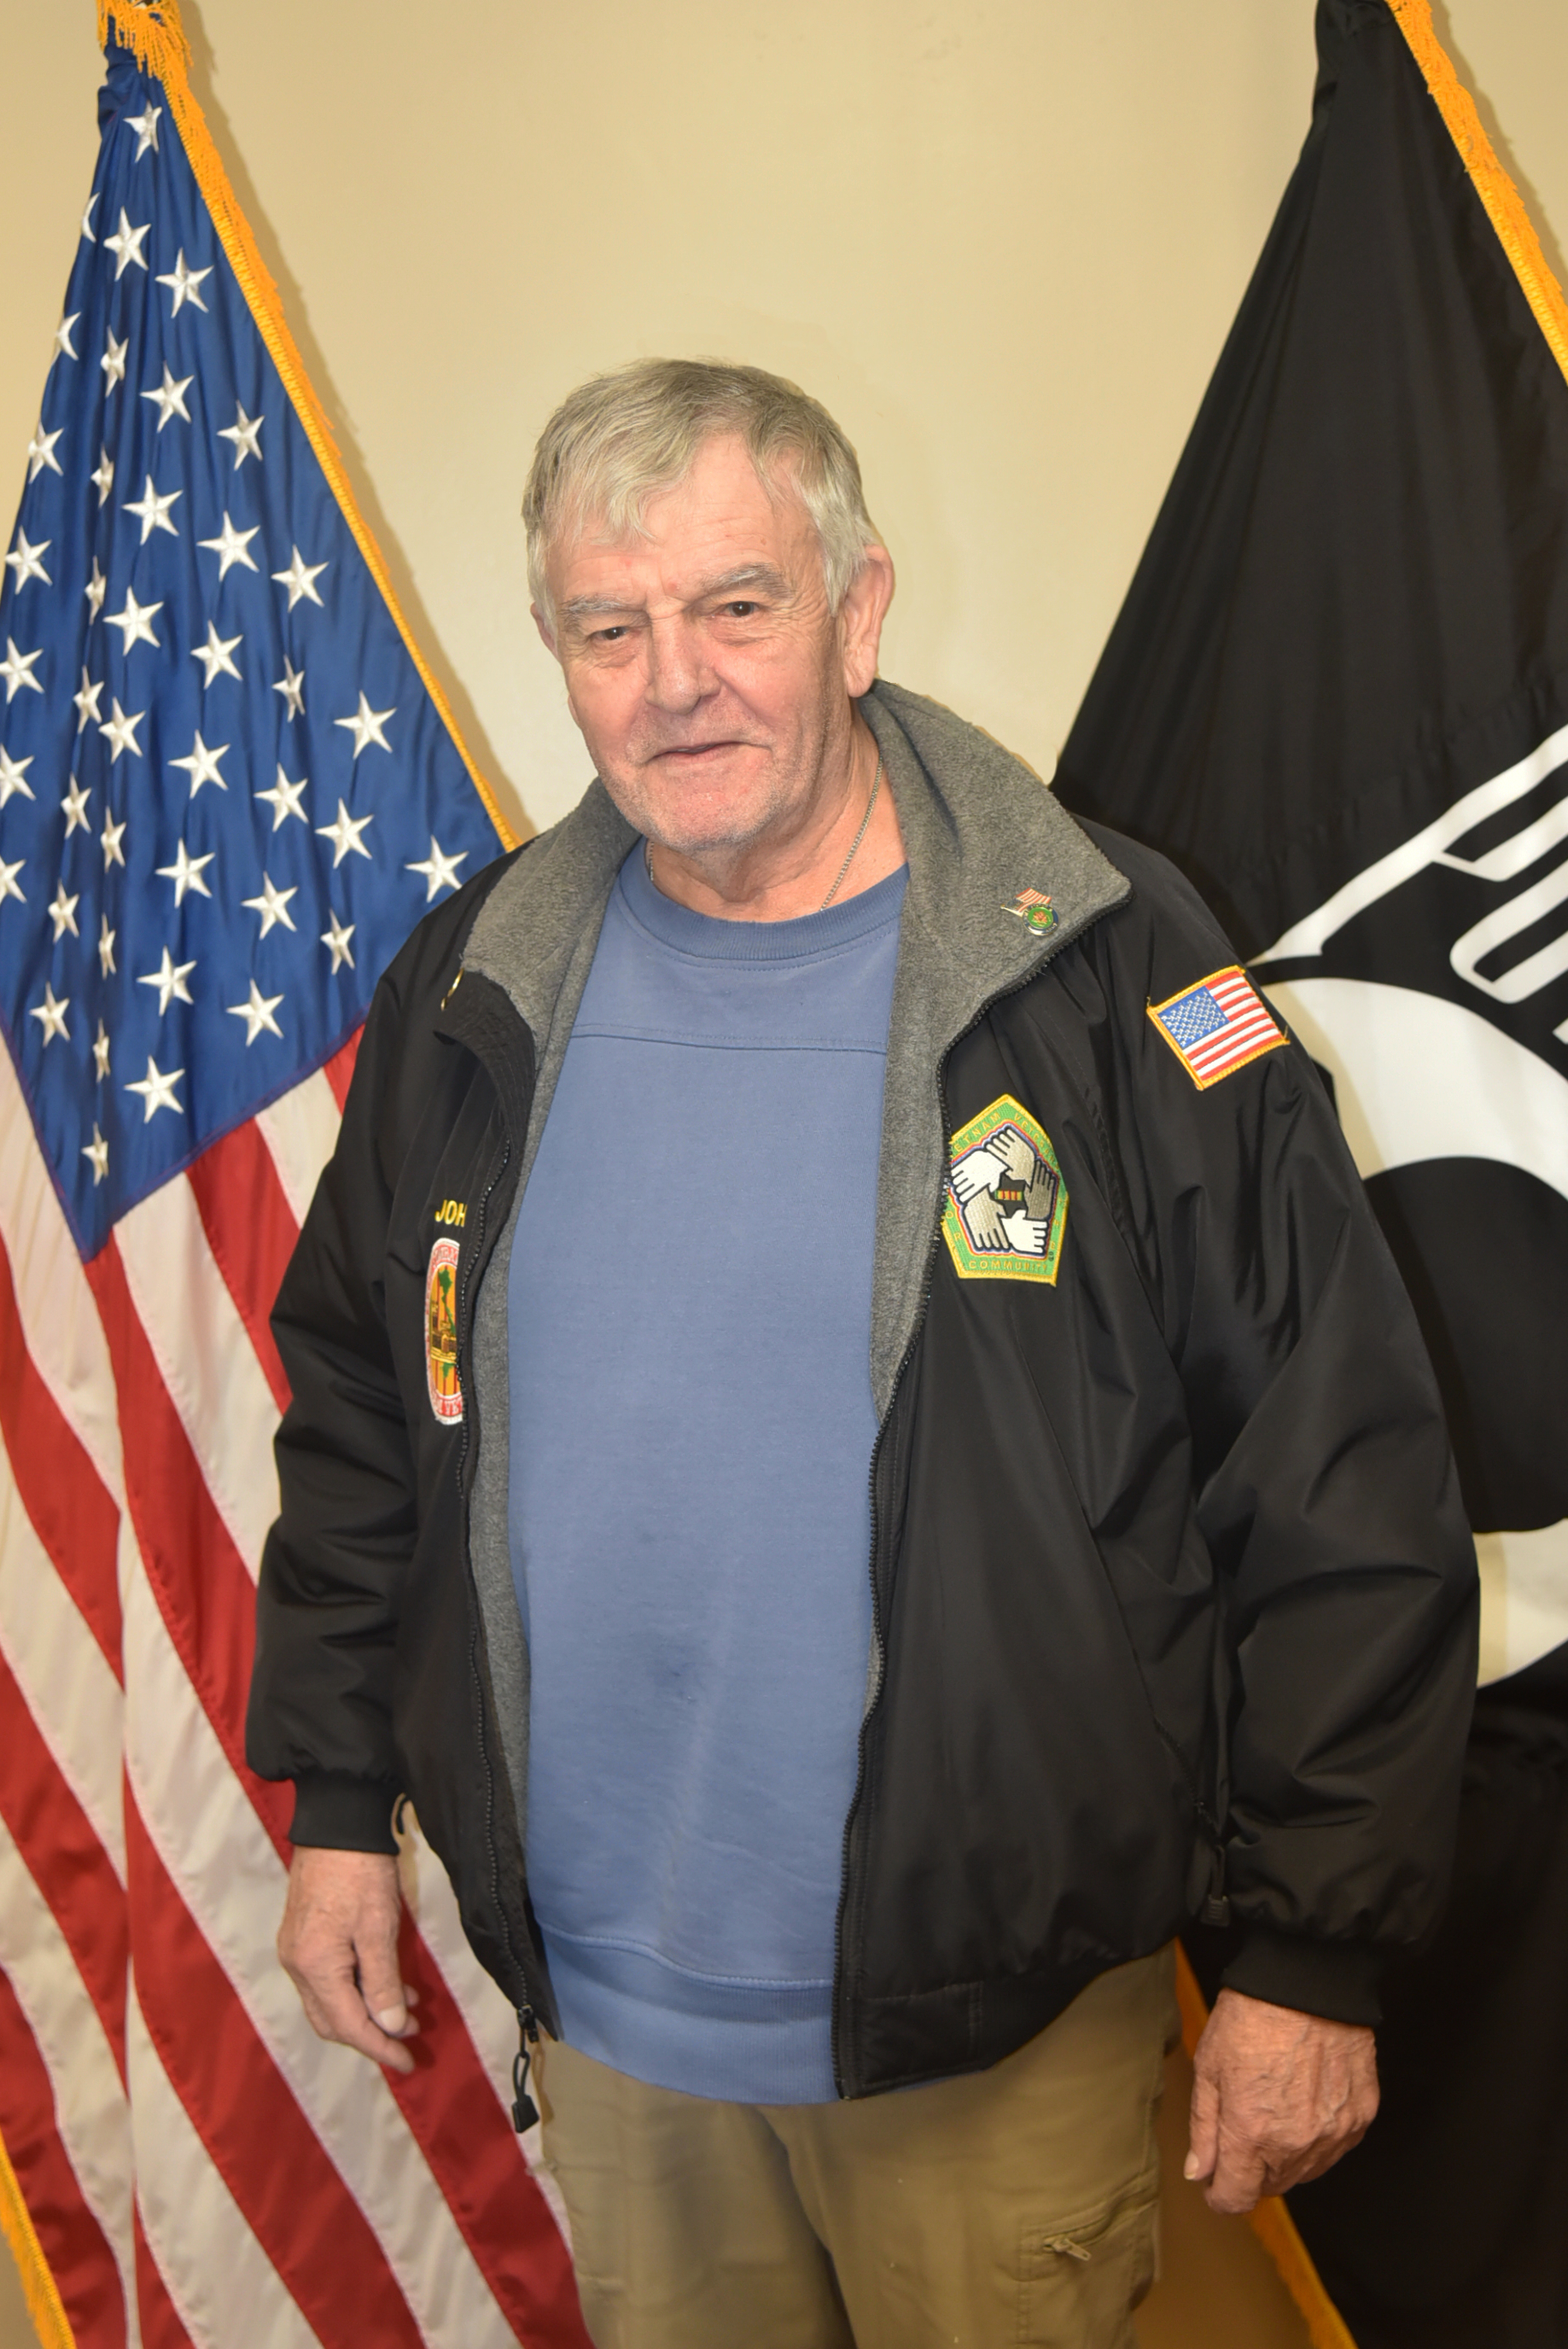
(1002, 239)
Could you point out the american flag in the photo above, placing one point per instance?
(228, 789)
(1216, 1026)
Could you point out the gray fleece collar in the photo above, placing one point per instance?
(979, 826)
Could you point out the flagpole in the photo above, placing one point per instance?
(1504, 205)
(152, 31)
(38, 2287)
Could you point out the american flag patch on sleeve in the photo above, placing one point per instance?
(1216, 1026)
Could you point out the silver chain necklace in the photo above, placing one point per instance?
(865, 820)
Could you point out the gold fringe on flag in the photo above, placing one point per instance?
(44, 2305)
(1271, 2222)
(1504, 205)
(153, 33)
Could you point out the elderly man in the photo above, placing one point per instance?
(856, 1450)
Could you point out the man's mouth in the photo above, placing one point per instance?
(694, 751)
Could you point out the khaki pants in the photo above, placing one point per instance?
(1011, 2206)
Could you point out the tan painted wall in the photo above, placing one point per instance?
(1002, 239)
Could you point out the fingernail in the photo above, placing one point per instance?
(391, 2019)
(1189, 2168)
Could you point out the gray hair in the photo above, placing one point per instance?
(615, 442)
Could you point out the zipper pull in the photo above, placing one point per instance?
(1216, 1908)
(524, 2111)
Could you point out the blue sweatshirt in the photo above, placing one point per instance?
(689, 1314)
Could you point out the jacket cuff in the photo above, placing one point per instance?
(1337, 1980)
(344, 1814)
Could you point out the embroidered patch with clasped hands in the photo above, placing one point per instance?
(1005, 1209)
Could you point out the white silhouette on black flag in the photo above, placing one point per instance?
(1337, 695)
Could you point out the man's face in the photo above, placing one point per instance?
(711, 681)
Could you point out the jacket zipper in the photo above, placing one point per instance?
(1216, 1907)
(524, 2112)
(878, 1650)
(879, 1653)
(1216, 1910)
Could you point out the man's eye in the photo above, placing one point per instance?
(740, 609)
(610, 635)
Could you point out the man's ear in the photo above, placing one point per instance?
(547, 633)
(861, 617)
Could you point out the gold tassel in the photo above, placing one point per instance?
(1271, 2222)
(1504, 206)
(44, 2305)
(152, 31)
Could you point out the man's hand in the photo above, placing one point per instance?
(338, 1943)
(1277, 2096)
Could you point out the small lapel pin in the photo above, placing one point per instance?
(1031, 907)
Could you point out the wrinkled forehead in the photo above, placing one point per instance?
(725, 488)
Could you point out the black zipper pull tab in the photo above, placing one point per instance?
(1216, 1908)
(524, 2111)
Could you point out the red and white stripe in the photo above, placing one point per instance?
(201, 2171)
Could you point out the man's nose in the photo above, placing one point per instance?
(678, 670)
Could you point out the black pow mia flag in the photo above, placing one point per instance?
(1337, 697)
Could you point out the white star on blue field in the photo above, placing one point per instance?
(226, 794)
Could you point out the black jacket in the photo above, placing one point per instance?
(1174, 1600)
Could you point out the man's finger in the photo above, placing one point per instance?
(366, 2039)
(335, 2011)
(1203, 2130)
(399, 2021)
(1239, 2178)
(379, 1976)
